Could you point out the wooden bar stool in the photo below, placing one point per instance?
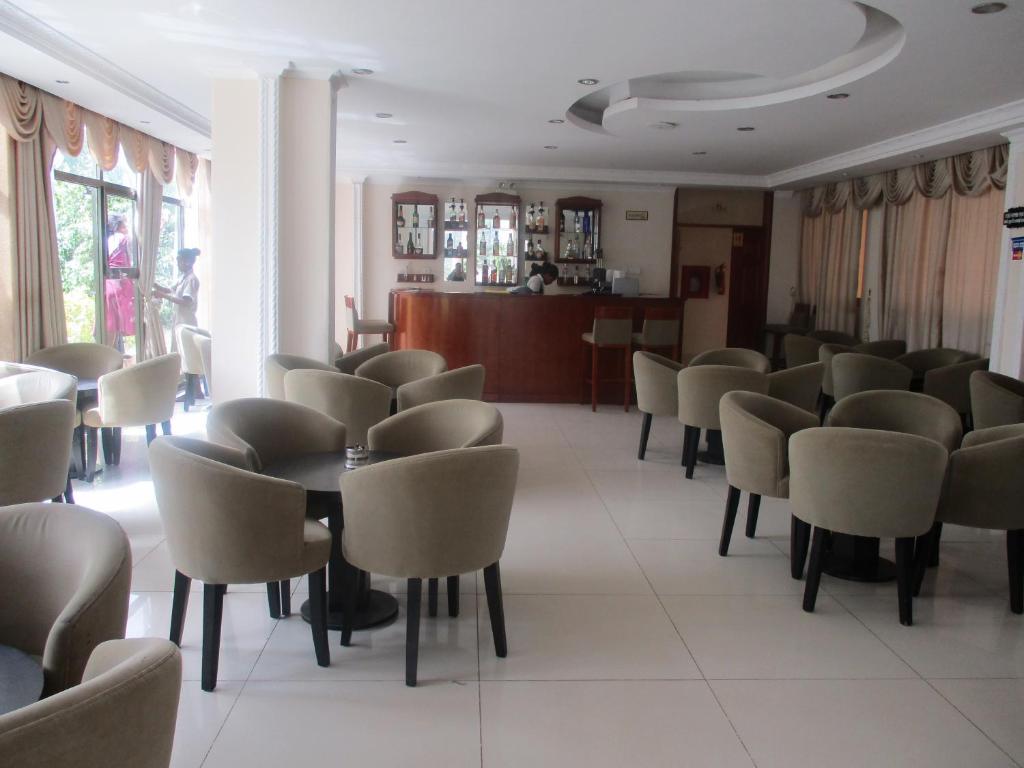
(613, 329)
(358, 327)
(661, 331)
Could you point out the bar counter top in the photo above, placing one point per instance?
(531, 345)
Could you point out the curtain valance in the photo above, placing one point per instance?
(969, 175)
(25, 111)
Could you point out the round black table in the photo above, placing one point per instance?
(318, 473)
(855, 558)
(21, 679)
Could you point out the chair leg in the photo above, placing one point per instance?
(69, 493)
(732, 503)
(350, 342)
(933, 555)
(814, 569)
(412, 631)
(318, 615)
(625, 377)
(432, 597)
(213, 612)
(645, 432)
(753, 507)
(692, 438)
(150, 433)
(905, 579)
(922, 553)
(349, 603)
(593, 378)
(91, 438)
(115, 445)
(799, 537)
(105, 439)
(453, 596)
(179, 604)
(165, 427)
(189, 383)
(78, 446)
(1015, 568)
(286, 598)
(496, 609)
(274, 599)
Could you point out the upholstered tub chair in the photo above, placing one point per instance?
(996, 399)
(191, 360)
(800, 350)
(952, 385)
(735, 356)
(799, 386)
(911, 413)
(834, 337)
(890, 349)
(276, 366)
(854, 372)
(656, 392)
(356, 402)
(466, 383)
(35, 451)
(349, 361)
(393, 369)
(920, 361)
(826, 352)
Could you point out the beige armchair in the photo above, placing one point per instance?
(122, 714)
(466, 383)
(357, 403)
(656, 393)
(952, 385)
(892, 411)
(276, 366)
(800, 350)
(921, 361)
(142, 395)
(66, 572)
(735, 356)
(854, 372)
(393, 369)
(35, 451)
(348, 362)
(755, 434)
(890, 349)
(425, 517)
(834, 337)
(81, 360)
(226, 525)
(983, 489)
(700, 388)
(828, 468)
(995, 399)
(799, 386)
(826, 353)
(191, 360)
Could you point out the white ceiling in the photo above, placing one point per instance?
(472, 84)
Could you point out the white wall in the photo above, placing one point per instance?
(344, 255)
(1008, 324)
(785, 256)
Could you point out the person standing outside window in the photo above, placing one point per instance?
(118, 290)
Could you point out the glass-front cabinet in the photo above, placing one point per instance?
(536, 230)
(414, 225)
(578, 238)
(455, 242)
(497, 239)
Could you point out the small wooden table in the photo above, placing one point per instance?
(318, 473)
(21, 679)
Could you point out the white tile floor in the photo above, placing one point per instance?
(630, 641)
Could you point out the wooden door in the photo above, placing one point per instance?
(748, 287)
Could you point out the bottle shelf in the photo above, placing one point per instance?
(576, 261)
(401, 254)
(573, 283)
(457, 226)
(545, 230)
(426, 277)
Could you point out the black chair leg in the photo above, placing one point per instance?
(78, 445)
(799, 538)
(179, 604)
(350, 578)
(1015, 568)
(165, 426)
(213, 612)
(814, 569)
(91, 439)
(496, 609)
(453, 596)
(318, 615)
(105, 439)
(732, 503)
(115, 445)
(150, 433)
(905, 579)
(286, 598)
(645, 432)
(69, 493)
(753, 507)
(922, 554)
(432, 597)
(412, 631)
(190, 394)
(691, 436)
(274, 599)
(933, 555)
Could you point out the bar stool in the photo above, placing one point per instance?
(660, 331)
(357, 327)
(613, 329)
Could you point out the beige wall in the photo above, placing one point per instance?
(344, 255)
(705, 321)
(1008, 324)
(785, 256)
(733, 207)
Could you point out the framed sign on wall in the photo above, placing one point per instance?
(694, 281)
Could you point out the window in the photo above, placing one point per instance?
(172, 232)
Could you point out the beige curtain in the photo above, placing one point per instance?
(829, 261)
(972, 266)
(8, 309)
(151, 198)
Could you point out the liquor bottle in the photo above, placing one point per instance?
(430, 218)
(451, 211)
(538, 252)
(586, 222)
(398, 243)
(496, 246)
(579, 223)
(480, 218)
(513, 218)
(449, 244)
(510, 247)
(494, 271)
(462, 211)
(541, 221)
(409, 246)
(496, 221)
(419, 243)
(483, 272)
(561, 221)
(415, 217)
(530, 218)
(529, 248)
(400, 221)
(482, 247)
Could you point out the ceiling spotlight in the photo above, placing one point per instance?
(383, 115)
(701, 152)
(664, 125)
(362, 71)
(838, 96)
(63, 82)
(987, 8)
(745, 128)
(550, 146)
(400, 141)
(588, 81)
(556, 121)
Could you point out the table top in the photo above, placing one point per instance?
(87, 385)
(319, 472)
(21, 679)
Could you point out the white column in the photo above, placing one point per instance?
(1007, 354)
(269, 148)
(357, 242)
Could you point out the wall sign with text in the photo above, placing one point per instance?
(1012, 219)
(636, 215)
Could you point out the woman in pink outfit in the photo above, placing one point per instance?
(119, 292)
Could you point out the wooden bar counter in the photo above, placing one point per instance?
(531, 346)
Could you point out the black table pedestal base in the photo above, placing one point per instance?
(855, 558)
(380, 608)
(715, 454)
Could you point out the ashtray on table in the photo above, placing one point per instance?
(356, 455)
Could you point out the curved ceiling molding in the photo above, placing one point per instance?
(647, 100)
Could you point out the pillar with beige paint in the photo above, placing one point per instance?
(1008, 322)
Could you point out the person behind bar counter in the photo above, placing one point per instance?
(540, 275)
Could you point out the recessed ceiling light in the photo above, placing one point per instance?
(63, 82)
(362, 71)
(556, 121)
(664, 125)
(838, 96)
(550, 146)
(400, 141)
(745, 128)
(588, 81)
(701, 152)
(383, 115)
(987, 8)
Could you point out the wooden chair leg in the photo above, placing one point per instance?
(69, 493)
(213, 612)
(922, 553)
(274, 599)
(593, 378)
(412, 631)
(91, 448)
(318, 615)
(933, 555)
(453, 596)
(799, 537)
(179, 604)
(732, 503)
(814, 569)
(753, 507)
(645, 432)
(496, 609)
(286, 598)
(105, 440)
(115, 445)
(350, 342)
(432, 597)
(1015, 568)
(905, 579)
(78, 446)
(150, 433)
(691, 436)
